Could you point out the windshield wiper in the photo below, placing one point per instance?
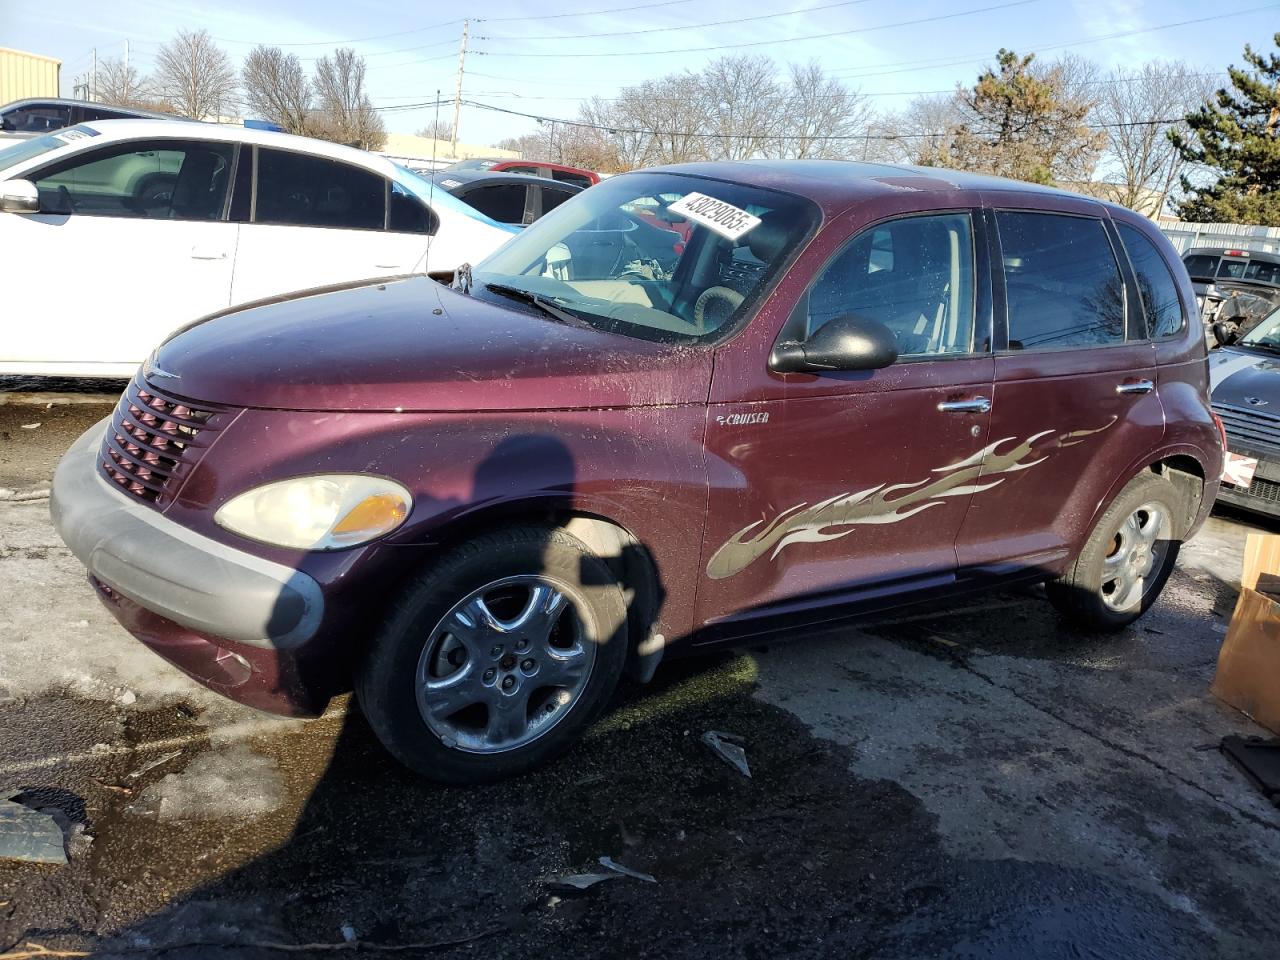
(531, 298)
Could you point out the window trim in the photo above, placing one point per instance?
(982, 289)
(998, 277)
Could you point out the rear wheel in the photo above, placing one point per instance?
(496, 659)
(1126, 560)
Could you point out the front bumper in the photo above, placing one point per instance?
(230, 619)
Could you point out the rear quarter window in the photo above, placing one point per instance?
(1201, 266)
(1156, 286)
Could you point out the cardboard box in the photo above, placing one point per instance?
(1248, 676)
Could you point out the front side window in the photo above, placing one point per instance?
(552, 198)
(163, 180)
(300, 190)
(913, 275)
(1156, 285)
(656, 256)
(1062, 282)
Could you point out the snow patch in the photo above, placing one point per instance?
(234, 783)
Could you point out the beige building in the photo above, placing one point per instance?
(25, 74)
(415, 151)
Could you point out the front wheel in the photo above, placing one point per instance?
(1126, 560)
(497, 658)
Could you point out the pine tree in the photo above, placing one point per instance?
(1237, 136)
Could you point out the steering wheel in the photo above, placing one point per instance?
(65, 200)
(715, 304)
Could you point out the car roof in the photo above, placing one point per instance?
(68, 102)
(488, 176)
(833, 184)
(112, 130)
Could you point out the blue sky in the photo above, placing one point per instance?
(533, 66)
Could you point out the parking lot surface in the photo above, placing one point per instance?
(974, 780)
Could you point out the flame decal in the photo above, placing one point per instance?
(838, 516)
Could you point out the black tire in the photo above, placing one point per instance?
(387, 682)
(1081, 594)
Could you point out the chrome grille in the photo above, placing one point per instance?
(1250, 428)
(1265, 490)
(155, 441)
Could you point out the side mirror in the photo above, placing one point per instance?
(19, 196)
(1224, 334)
(842, 343)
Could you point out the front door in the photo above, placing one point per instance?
(850, 486)
(1073, 388)
(130, 243)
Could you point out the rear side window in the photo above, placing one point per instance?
(913, 275)
(408, 213)
(1062, 282)
(552, 198)
(296, 189)
(37, 118)
(1159, 292)
(503, 202)
(1201, 266)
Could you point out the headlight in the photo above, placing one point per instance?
(317, 513)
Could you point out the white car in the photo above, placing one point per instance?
(115, 233)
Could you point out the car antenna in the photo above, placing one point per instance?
(431, 185)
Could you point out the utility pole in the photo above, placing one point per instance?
(457, 95)
(93, 89)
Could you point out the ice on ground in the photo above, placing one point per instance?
(232, 783)
(58, 636)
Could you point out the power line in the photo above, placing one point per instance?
(683, 26)
(586, 13)
(328, 43)
(781, 40)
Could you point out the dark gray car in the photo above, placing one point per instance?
(1245, 384)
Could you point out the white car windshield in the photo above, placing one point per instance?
(658, 256)
(20, 151)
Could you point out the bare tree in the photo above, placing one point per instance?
(123, 85)
(922, 131)
(1135, 109)
(821, 117)
(276, 88)
(738, 105)
(194, 75)
(346, 113)
(437, 130)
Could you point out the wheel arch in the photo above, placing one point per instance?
(1183, 466)
(630, 561)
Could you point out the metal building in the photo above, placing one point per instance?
(25, 74)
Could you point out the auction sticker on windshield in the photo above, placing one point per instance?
(724, 218)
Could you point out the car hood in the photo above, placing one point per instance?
(414, 345)
(1243, 378)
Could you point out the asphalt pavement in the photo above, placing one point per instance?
(969, 780)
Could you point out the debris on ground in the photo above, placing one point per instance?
(585, 881)
(609, 864)
(29, 835)
(30, 426)
(728, 748)
(152, 764)
(23, 496)
(348, 932)
(1259, 760)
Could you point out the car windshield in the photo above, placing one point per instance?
(21, 151)
(657, 256)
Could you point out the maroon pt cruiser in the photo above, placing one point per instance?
(830, 388)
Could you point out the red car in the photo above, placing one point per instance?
(535, 168)
(856, 387)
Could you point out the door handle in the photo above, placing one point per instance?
(976, 405)
(1136, 386)
(386, 266)
(207, 253)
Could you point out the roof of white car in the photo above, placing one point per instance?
(233, 133)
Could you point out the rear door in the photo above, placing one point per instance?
(503, 202)
(314, 221)
(1074, 392)
(136, 235)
